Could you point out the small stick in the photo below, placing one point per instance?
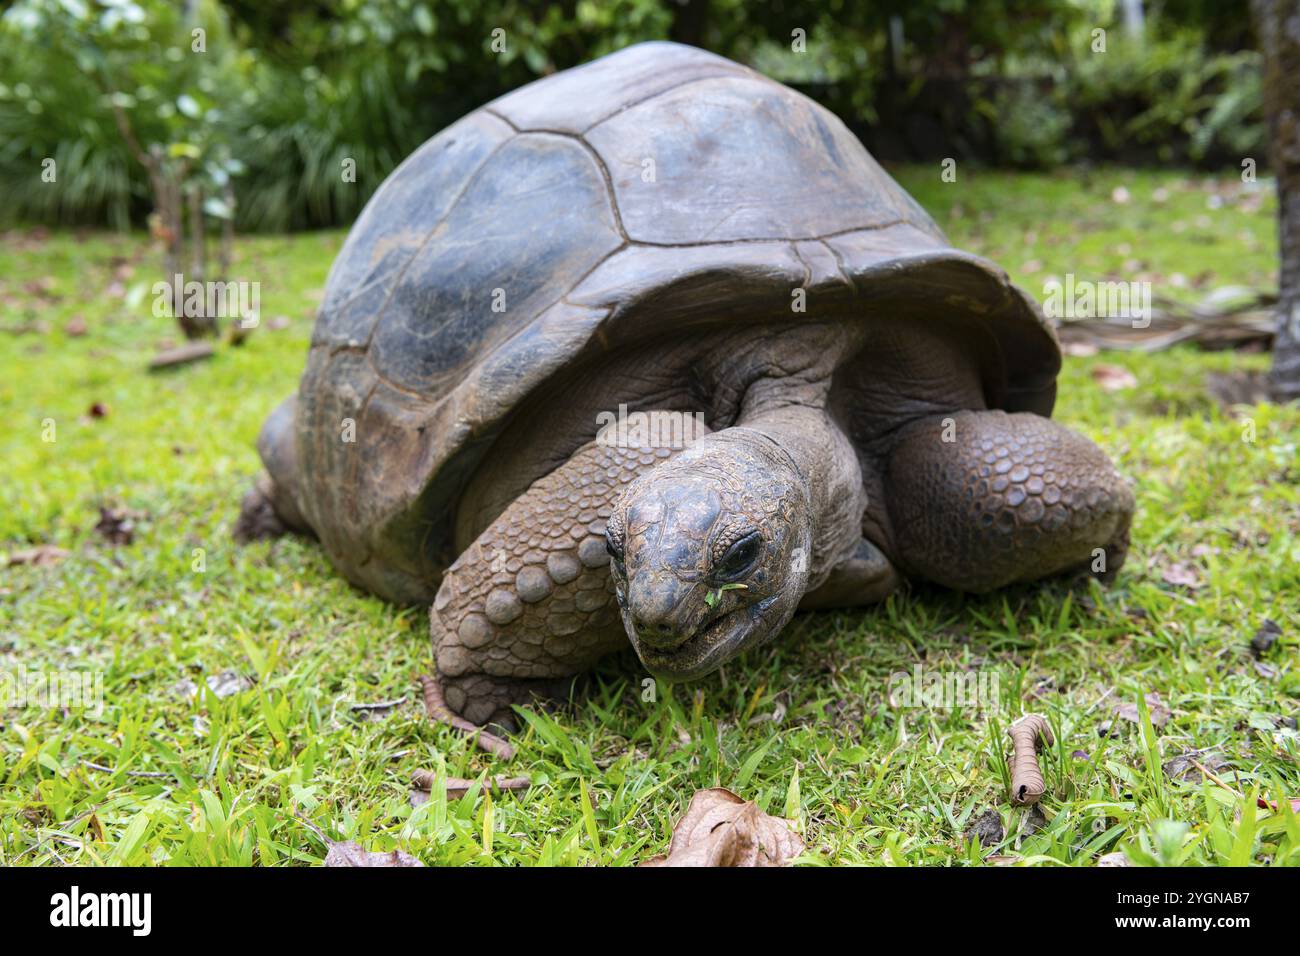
(437, 709)
(1026, 778)
(1206, 772)
(381, 704)
(457, 786)
(130, 773)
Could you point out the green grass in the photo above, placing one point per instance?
(804, 726)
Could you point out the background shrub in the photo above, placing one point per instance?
(285, 93)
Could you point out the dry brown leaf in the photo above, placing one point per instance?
(348, 853)
(721, 829)
(986, 828)
(1265, 638)
(1128, 710)
(1181, 574)
(117, 525)
(1192, 766)
(1113, 378)
(38, 556)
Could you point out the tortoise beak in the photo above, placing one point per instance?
(714, 640)
(658, 610)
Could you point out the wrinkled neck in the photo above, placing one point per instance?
(817, 449)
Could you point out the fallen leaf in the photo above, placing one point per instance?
(39, 556)
(987, 828)
(721, 829)
(1181, 574)
(75, 327)
(1184, 766)
(118, 525)
(43, 288)
(1128, 710)
(348, 853)
(1265, 637)
(1113, 378)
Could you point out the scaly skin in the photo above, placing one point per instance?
(530, 603)
(1009, 498)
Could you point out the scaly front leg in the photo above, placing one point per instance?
(529, 604)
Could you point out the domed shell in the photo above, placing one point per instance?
(657, 186)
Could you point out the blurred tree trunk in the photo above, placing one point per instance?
(167, 177)
(690, 20)
(1277, 25)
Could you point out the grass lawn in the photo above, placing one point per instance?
(804, 727)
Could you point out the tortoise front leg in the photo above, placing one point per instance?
(979, 500)
(270, 508)
(530, 604)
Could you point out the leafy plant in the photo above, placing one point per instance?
(711, 598)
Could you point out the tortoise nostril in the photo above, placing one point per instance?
(656, 633)
(645, 627)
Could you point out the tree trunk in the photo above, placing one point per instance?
(690, 20)
(1277, 25)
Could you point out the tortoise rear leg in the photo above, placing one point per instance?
(270, 508)
(530, 604)
(979, 500)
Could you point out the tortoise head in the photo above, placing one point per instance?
(710, 552)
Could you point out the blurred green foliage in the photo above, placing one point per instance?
(284, 96)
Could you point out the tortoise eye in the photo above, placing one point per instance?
(740, 557)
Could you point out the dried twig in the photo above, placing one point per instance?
(456, 787)
(437, 709)
(130, 773)
(381, 704)
(1209, 774)
(1026, 778)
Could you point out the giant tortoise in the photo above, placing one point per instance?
(663, 232)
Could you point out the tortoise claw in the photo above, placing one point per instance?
(436, 707)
